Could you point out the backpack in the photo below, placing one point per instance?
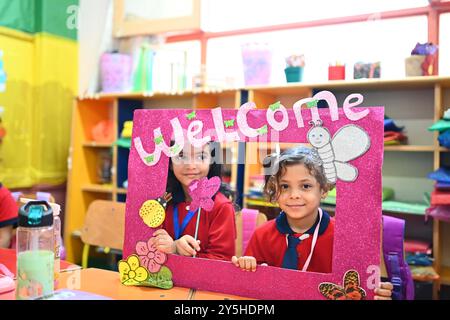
(398, 270)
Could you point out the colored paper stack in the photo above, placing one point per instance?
(418, 257)
(443, 126)
(440, 197)
(393, 134)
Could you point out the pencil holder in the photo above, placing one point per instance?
(336, 72)
(294, 74)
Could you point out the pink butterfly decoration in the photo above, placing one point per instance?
(202, 191)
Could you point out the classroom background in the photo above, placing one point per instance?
(72, 72)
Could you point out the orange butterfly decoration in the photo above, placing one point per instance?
(350, 291)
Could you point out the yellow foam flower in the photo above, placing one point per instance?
(131, 272)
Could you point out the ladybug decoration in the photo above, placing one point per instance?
(153, 212)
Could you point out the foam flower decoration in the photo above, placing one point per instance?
(131, 271)
(202, 191)
(149, 256)
(161, 279)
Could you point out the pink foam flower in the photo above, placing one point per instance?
(151, 258)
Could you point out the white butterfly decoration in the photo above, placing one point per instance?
(348, 143)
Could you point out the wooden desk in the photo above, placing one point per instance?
(9, 259)
(207, 295)
(107, 283)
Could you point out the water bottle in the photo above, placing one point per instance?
(35, 251)
(57, 239)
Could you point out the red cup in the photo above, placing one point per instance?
(336, 73)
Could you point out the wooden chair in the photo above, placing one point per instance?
(248, 224)
(35, 196)
(103, 227)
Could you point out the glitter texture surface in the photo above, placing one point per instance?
(358, 208)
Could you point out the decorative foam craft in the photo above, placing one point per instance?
(353, 135)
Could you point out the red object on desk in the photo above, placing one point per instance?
(9, 259)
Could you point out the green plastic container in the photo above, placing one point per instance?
(294, 74)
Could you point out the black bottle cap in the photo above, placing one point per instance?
(36, 214)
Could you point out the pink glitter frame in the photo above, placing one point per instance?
(358, 208)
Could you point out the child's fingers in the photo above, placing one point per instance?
(181, 249)
(186, 247)
(193, 243)
(160, 232)
(253, 264)
(234, 260)
(381, 298)
(387, 285)
(383, 292)
(242, 263)
(250, 264)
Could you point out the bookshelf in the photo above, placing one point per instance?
(415, 103)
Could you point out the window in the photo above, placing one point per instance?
(238, 14)
(370, 41)
(444, 45)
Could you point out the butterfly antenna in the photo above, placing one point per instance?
(167, 196)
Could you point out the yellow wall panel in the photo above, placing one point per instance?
(56, 80)
(42, 80)
(15, 152)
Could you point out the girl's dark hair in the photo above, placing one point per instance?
(275, 166)
(215, 169)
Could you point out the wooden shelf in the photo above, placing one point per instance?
(290, 88)
(410, 148)
(97, 188)
(409, 83)
(260, 203)
(121, 191)
(93, 144)
(445, 275)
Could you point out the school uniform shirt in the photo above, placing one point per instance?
(269, 246)
(216, 230)
(8, 208)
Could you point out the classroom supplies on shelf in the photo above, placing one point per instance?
(444, 139)
(103, 132)
(336, 71)
(393, 134)
(418, 259)
(366, 70)
(417, 246)
(127, 130)
(294, 68)
(421, 61)
(115, 71)
(404, 207)
(387, 193)
(423, 273)
(257, 61)
(143, 74)
(439, 212)
(440, 125)
(440, 175)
